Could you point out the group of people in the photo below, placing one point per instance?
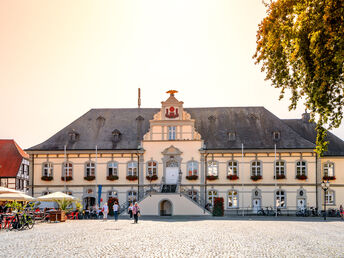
(133, 211)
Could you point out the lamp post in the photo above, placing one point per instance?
(325, 186)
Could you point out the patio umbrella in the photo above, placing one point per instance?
(57, 196)
(15, 196)
(7, 190)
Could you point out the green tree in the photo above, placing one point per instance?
(300, 45)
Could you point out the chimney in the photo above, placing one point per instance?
(306, 117)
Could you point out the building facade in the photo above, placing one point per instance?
(14, 166)
(176, 160)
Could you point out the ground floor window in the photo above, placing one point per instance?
(193, 194)
(212, 194)
(233, 199)
(132, 196)
(280, 199)
(329, 198)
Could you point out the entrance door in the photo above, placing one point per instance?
(172, 175)
(256, 205)
(165, 208)
(301, 204)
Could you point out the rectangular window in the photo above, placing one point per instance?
(329, 197)
(212, 168)
(232, 199)
(328, 169)
(171, 132)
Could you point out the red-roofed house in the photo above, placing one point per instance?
(14, 166)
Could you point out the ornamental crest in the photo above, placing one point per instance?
(171, 112)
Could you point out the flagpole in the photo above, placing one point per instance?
(242, 178)
(64, 168)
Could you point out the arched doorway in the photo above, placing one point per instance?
(165, 208)
(89, 202)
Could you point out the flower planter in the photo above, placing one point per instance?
(329, 178)
(256, 178)
(47, 178)
(131, 178)
(152, 178)
(67, 178)
(57, 216)
(301, 177)
(232, 177)
(193, 177)
(89, 178)
(210, 178)
(279, 177)
(112, 178)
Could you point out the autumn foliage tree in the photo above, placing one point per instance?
(300, 45)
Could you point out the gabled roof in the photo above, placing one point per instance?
(253, 126)
(11, 156)
(307, 131)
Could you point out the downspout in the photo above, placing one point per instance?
(33, 175)
(138, 177)
(316, 180)
(205, 178)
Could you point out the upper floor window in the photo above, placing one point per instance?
(328, 169)
(152, 168)
(301, 168)
(132, 168)
(280, 169)
(213, 169)
(67, 169)
(192, 168)
(90, 169)
(171, 132)
(329, 197)
(47, 169)
(276, 136)
(280, 199)
(232, 168)
(112, 169)
(231, 136)
(256, 168)
(233, 199)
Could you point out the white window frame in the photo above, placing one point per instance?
(330, 197)
(232, 168)
(67, 171)
(193, 194)
(113, 167)
(192, 166)
(132, 168)
(48, 169)
(211, 197)
(152, 170)
(278, 198)
(172, 132)
(279, 167)
(90, 168)
(256, 170)
(132, 196)
(234, 198)
(212, 168)
(302, 167)
(326, 168)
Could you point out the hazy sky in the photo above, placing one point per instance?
(58, 59)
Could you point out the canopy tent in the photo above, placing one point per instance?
(7, 190)
(57, 196)
(16, 196)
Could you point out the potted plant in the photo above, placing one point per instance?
(282, 176)
(232, 177)
(301, 177)
(329, 178)
(192, 177)
(112, 177)
(152, 178)
(47, 178)
(89, 178)
(212, 177)
(256, 177)
(131, 178)
(67, 178)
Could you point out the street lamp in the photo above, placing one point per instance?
(325, 186)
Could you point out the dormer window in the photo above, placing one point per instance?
(73, 136)
(231, 136)
(276, 136)
(116, 135)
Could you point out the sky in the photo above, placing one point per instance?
(59, 59)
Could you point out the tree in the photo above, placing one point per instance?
(300, 45)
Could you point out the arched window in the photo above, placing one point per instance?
(47, 169)
(329, 197)
(90, 169)
(112, 168)
(280, 169)
(232, 168)
(132, 196)
(212, 194)
(280, 199)
(328, 169)
(193, 194)
(213, 168)
(301, 168)
(67, 170)
(132, 168)
(192, 168)
(233, 199)
(256, 168)
(152, 168)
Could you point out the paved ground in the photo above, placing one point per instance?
(178, 238)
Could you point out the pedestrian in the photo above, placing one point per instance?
(136, 212)
(105, 211)
(341, 210)
(115, 210)
(130, 210)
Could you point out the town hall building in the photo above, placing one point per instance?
(175, 160)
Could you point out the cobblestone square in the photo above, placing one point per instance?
(178, 238)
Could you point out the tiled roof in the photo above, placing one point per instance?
(11, 156)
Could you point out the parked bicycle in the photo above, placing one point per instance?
(304, 212)
(269, 211)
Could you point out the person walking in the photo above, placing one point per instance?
(105, 211)
(136, 212)
(341, 210)
(115, 210)
(130, 210)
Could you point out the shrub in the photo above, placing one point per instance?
(218, 207)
